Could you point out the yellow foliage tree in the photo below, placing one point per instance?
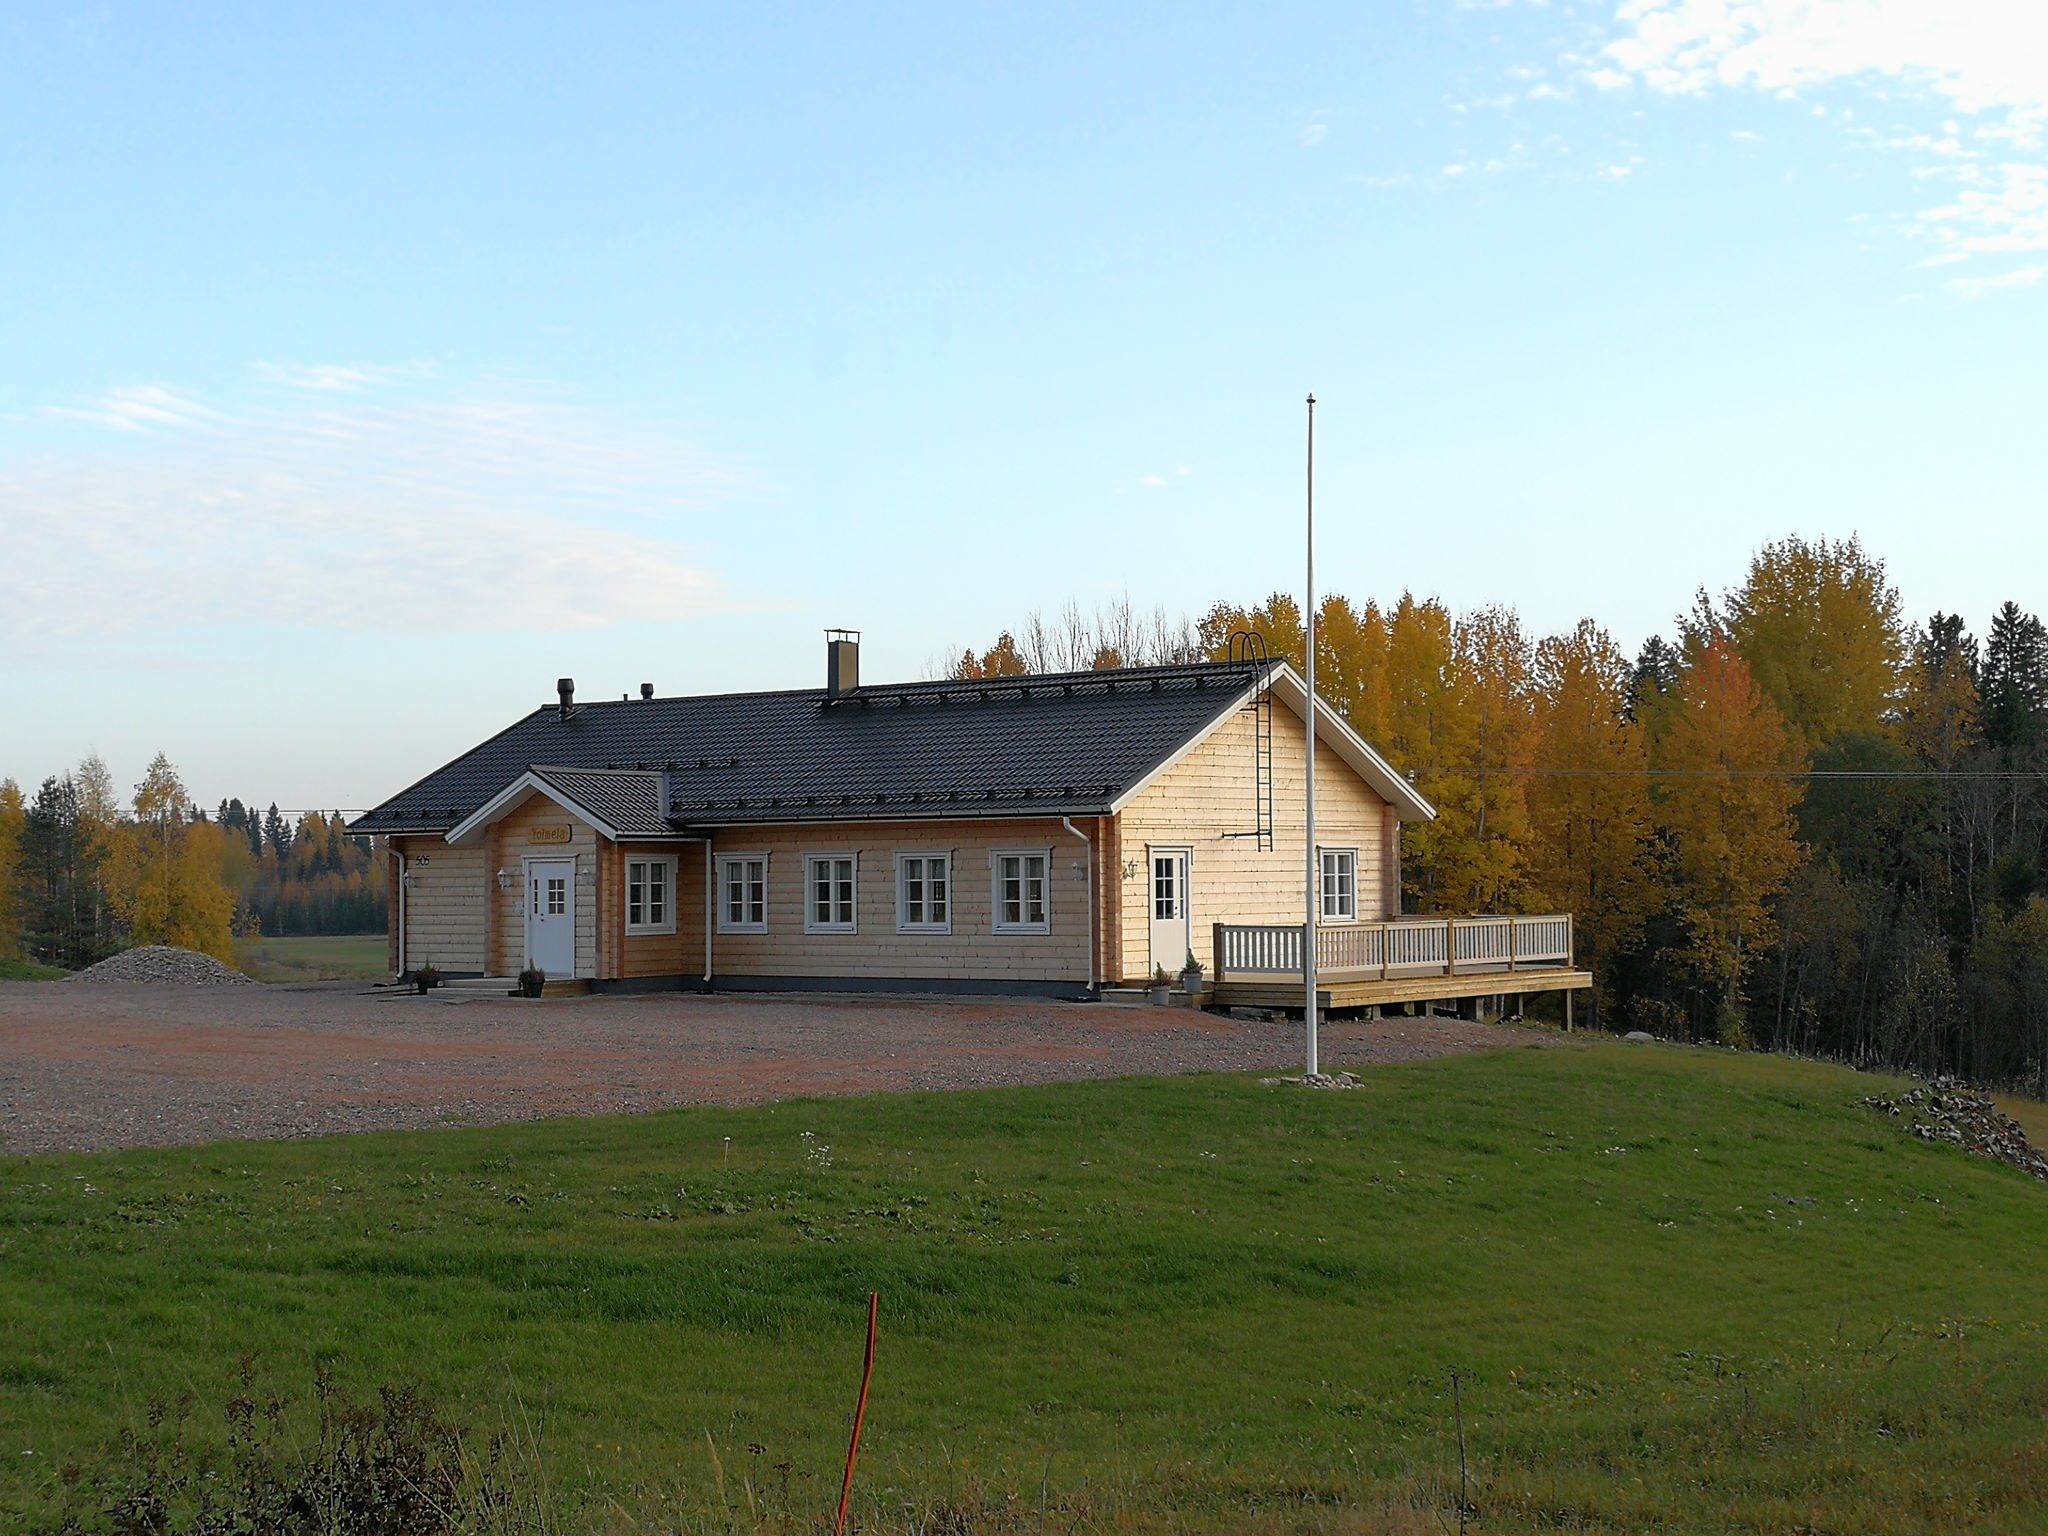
(1589, 795)
(1728, 786)
(13, 818)
(165, 871)
(1459, 717)
(1820, 627)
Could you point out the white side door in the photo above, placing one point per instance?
(551, 916)
(1171, 933)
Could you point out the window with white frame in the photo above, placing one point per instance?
(1022, 894)
(828, 893)
(650, 896)
(924, 893)
(743, 893)
(1340, 885)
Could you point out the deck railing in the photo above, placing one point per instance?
(1408, 946)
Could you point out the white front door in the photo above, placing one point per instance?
(1171, 934)
(551, 916)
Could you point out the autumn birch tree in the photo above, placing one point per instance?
(1820, 626)
(165, 871)
(1589, 849)
(1729, 783)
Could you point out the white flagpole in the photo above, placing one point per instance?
(1308, 937)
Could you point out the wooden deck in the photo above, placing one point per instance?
(1406, 960)
(1351, 990)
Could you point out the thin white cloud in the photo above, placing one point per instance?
(139, 408)
(329, 512)
(1982, 63)
(1977, 287)
(341, 378)
(1313, 134)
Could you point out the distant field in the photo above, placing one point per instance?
(2032, 1115)
(1687, 1291)
(28, 970)
(345, 957)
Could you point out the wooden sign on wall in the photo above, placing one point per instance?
(547, 834)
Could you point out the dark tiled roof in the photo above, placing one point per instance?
(1052, 745)
(627, 800)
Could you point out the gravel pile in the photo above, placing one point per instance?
(159, 965)
(1950, 1110)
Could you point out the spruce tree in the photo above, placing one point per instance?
(2015, 686)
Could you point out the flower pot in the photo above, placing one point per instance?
(1191, 982)
(1160, 994)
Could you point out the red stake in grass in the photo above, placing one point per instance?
(860, 1412)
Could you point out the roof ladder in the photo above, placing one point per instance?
(1247, 648)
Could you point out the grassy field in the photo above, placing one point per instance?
(2032, 1115)
(345, 957)
(1686, 1291)
(29, 970)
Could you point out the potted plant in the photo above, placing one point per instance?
(532, 980)
(1162, 986)
(1191, 975)
(426, 978)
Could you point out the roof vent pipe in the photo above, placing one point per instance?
(647, 690)
(565, 687)
(842, 662)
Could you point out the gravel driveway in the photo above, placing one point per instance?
(86, 1065)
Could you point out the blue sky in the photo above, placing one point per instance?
(364, 368)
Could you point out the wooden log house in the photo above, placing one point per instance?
(1053, 834)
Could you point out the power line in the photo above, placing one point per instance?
(1982, 775)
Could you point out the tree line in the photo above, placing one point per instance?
(85, 872)
(1799, 821)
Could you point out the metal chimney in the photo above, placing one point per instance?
(565, 687)
(842, 662)
(647, 690)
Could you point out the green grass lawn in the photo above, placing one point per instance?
(1687, 1291)
(29, 970)
(343, 957)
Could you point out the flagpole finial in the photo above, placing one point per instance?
(1311, 399)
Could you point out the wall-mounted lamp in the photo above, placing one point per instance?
(504, 879)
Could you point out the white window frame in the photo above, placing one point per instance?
(850, 923)
(667, 865)
(930, 856)
(995, 871)
(725, 862)
(1323, 857)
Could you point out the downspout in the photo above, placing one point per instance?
(1088, 873)
(710, 898)
(401, 909)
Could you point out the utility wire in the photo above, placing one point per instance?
(2001, 776)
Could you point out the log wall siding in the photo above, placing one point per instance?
(1207, 794)
(664, 954)
(513, 846)
(972, 951)
(444, 906)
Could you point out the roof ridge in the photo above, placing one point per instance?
(1012, 680)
